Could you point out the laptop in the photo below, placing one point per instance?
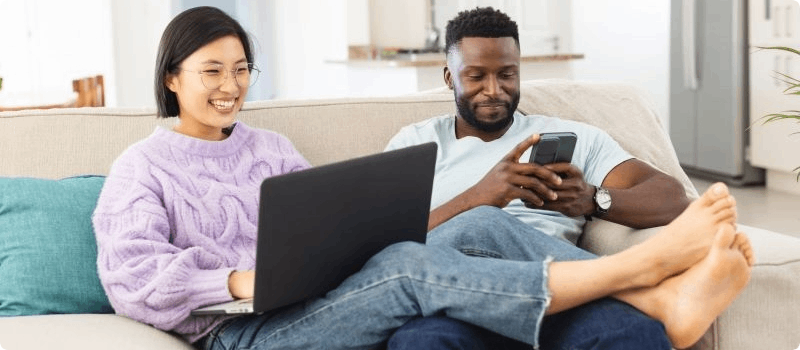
(318, 226)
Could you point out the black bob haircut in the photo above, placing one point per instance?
(480, 22)
(185, 34)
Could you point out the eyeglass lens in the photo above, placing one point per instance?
(215, 75)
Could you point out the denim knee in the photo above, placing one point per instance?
(492, 232)
(485, 217)
(484, 231)
(404, 258)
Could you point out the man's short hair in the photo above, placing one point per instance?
(480, 22)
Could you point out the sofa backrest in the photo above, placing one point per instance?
(65, 142)
(58, 143)
(326, 131)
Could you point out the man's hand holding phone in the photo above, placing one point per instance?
(510, 179)
(573, 195)
(554, 186)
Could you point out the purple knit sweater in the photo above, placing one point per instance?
(176, 215)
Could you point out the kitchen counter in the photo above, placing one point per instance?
(438, 60)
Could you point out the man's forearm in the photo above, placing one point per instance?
(653, 202)
(455, 206)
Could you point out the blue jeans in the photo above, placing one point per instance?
(407, 281)
(602, 324)
(443, 333)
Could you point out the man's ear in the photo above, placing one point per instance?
(448, 78)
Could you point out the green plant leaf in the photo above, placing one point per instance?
(777, 116)
(782, 48)
(790, 79)
(792, 84)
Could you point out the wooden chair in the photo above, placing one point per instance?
(91, 92)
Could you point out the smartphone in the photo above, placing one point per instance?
(554, 147)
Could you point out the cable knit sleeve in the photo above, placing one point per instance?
(293, 160)
(145, 275)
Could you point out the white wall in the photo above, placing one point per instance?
(358, 22)
(625, 40)
(57, 41)
(137, 27)
(308, 34)
(539, 21)
(48, 43)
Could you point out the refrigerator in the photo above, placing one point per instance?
(709, 97)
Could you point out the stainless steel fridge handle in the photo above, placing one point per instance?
(689, 47)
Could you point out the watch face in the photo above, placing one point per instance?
(603, 198)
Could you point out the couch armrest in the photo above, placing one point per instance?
(767, 313)
(85, 331)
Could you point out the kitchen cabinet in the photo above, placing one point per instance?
(774, 21)
(775, 146)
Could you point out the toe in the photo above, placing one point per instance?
(724, 238)
(727, 202)
(742, 243)
(714, 193)
(726, 215)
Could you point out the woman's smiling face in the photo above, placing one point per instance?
(205, 112)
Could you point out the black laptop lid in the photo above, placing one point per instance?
(319, 226)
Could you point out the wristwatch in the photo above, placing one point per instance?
(602, 201)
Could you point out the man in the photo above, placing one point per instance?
(479, 165)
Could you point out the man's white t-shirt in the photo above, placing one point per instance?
(461, 163)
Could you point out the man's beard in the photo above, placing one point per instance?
(468, 114)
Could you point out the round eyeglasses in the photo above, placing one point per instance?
(214, 75)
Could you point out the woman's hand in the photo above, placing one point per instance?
(241, 284)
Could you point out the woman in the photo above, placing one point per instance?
(176, 228)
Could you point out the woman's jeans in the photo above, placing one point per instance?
(505, 294)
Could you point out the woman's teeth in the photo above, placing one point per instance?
(222, 104)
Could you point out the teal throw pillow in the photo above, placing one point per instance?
(48, 253)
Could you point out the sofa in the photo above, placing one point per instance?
(66, 310)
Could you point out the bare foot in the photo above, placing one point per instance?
(691, 301)
(742, 243)
(687, 239)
